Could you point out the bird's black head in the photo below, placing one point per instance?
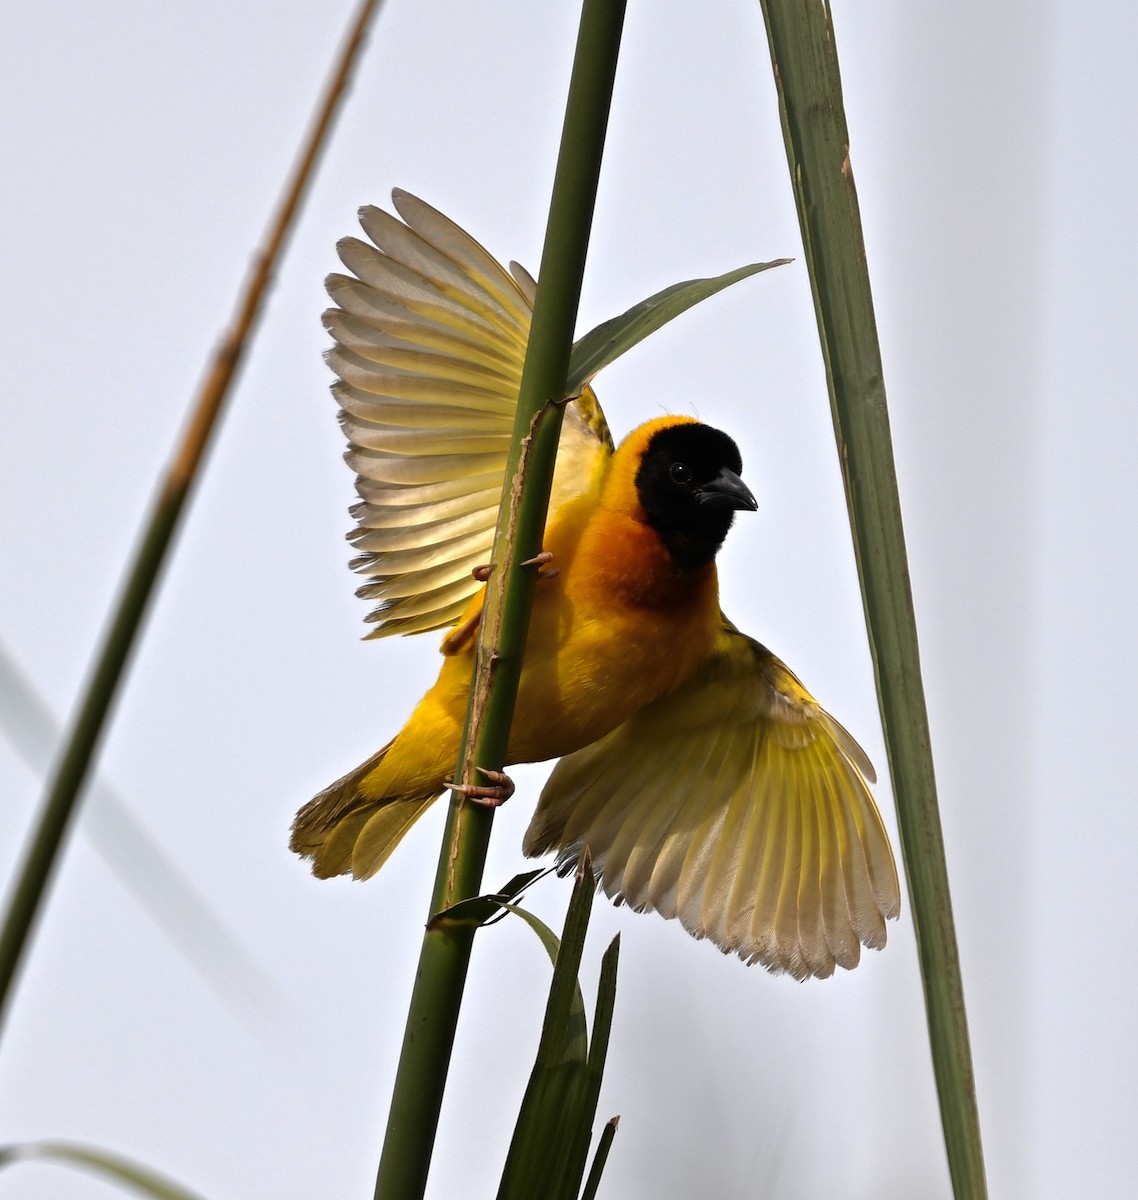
(689, 487)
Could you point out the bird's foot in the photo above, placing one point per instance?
(540, 561)
(483, 572)
(492, 795)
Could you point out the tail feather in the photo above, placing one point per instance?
(344, 829)
(383, 831)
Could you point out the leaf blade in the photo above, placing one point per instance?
(136, 1176)
(609, 340)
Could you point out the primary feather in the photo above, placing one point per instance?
(706, 782)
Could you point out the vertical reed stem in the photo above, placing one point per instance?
(805, 63)
(441, 976)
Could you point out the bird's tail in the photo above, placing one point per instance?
(348, 829)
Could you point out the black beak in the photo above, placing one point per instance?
(726, 490)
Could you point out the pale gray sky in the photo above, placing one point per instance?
(993, 154)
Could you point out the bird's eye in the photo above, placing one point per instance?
(680, 473)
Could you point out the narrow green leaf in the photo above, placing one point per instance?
(539, 1159)
(606, 1003)
(550, 1146)
(805, 61)
(549, 939)
(561, 1036)
(600, 1158)
(609, 340)
(513, 888)
(598, 1052)
(480, 911)
(130, 1174)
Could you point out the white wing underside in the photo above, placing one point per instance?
(739, 806)
(430, 338)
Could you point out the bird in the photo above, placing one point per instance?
(701, 777)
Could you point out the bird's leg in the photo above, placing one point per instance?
(459, 638)
(492, 795)
(539, 561)
(483, 572)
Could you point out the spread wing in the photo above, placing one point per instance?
(738, 805)
(430, 337)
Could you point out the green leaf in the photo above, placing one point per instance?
(610, 340)
(606, 1003)
(598, 1052)
(550, 1145)
(563, 1034)
(600, 1158)
(122, 1170)
(573, 1034)
(485, 910)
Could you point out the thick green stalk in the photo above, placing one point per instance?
(83, 737)
(441, 975)
(817, 143)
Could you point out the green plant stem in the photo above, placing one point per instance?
(64, 786)
(806, 72)
(441, 976)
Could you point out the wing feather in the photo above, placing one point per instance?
(524, 280)
(474, 283)
(391, 321)
(380, 494)
(767, 837)
(675, 863)
(396, 333)
(429, 337)
(437, 552)
(417, 584)
(785, 948)
(436, 609)
(837, 930)
(384, 467)
(737, 805)
(400, 535)
(711, 857)
(727, 868)
(390, 278)
(371, 435)
(635, 849)
(811, 926)
(477, 265)
(359, 365)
